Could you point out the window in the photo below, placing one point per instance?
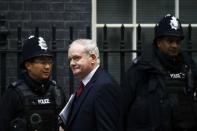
(147, 13)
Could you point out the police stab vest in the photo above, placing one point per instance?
(181, 100)
(40, 111)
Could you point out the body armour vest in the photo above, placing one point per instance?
(40, 111)
(181, 97)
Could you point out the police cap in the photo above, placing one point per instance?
(34, 47)
(169, 25)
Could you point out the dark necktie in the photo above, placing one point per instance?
(79, 89)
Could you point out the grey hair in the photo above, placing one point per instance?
(90, 46)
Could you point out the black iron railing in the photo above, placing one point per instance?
(105, 51)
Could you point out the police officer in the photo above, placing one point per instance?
(160, 85)
(33, 102)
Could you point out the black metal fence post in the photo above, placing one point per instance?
(122, 53)
(189, 44)
(54, 73)
(139, 40)
(19, 47)
(105, 47)
(3, 45)
(3, 31)
(37, 32)
(71, 77)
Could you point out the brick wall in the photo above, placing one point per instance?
(44, 14)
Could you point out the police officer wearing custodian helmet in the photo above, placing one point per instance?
(33, 102)
(160, 85)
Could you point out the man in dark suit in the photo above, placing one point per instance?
(97, 108)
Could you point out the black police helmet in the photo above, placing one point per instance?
(34, 47)
(169, 25)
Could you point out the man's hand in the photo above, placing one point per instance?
(61, 129)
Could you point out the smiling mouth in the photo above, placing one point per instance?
(46, 73)
(74, 68)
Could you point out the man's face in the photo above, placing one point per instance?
(39, 68)
(81, 63)
(169, 45)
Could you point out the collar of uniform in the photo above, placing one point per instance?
(173, 64)
(37, 87)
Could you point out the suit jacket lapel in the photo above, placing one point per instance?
(80, 101)
(84, 94)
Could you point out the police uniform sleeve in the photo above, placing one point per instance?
(129, 85)
(60, 95)
(63, 98)
(9, 105)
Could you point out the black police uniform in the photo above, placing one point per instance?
(29, 105)
(160, 93)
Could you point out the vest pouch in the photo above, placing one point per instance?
(184, 113)
(179, 92)
(35, 121)
(18, 124)
(42, 120)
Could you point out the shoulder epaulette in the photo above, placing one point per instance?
(16, 83)
(53, 82)
(135, 61)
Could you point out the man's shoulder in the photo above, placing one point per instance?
(135, 61)
(16, 83)
(53, 83)
(55, 86)
(188, 60)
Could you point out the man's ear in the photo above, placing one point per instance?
(158, 43)
(27, 65)
(93, 56)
